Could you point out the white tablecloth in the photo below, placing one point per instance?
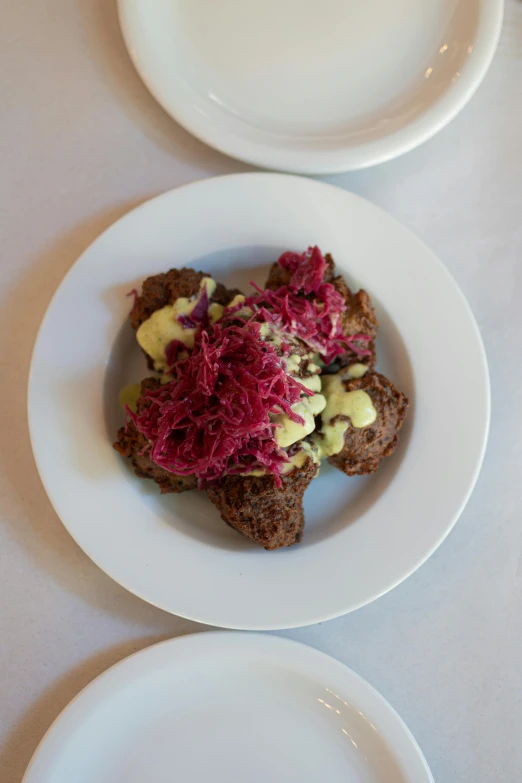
(81, 141)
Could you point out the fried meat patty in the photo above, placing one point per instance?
(364, 448)
(359, 317)
(163, 289)
(254, 506)
(133, 445)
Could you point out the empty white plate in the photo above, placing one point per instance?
(228, 707)
(307, 86)
(364, 534)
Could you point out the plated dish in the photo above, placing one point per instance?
(224, 707)
(251, 392)
(364, 534)
(321, 87)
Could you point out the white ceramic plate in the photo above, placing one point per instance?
(228, 707)
(312, 87)
(363, 535)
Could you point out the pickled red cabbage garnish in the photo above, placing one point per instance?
(213, 419)
(307, 307)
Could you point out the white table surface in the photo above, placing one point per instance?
(81, 142)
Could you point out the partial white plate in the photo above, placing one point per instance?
(228, 707)
(312, 87)
(363, 535)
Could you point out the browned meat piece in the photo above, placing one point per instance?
(163, 289)
(365, 448)
(359, 317)
(130, 443)
(254, 506)
(277, 277)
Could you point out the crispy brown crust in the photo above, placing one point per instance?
(358, 318)
(365, 448)
(255, 507)
(163, 289)
(131, 443)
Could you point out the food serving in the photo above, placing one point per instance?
(249, 393)
(364, 534)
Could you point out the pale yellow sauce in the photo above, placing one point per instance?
(313, 382)
(271, 334)
(297, 460)
(255, 473)
(215, 312)
(289, 431)
(311, 450)
(313, 367)
(244, 312)
(129, 396)
(356, 370)
(236, 300)
(163, 326)
(356, 406)
(292, 363)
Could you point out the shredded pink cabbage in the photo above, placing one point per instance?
(213, 419)
(351, 341)
(315, 319)
(307, 270)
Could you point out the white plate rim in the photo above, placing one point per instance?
(182, 648)
(354, 158)
(324, 615)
